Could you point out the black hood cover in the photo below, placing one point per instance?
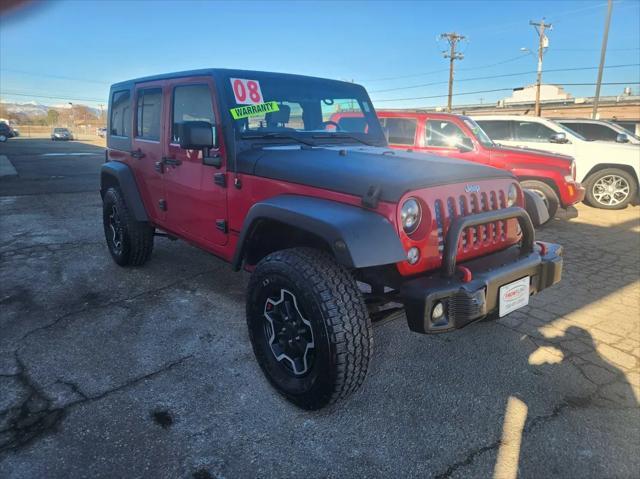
(353, 170)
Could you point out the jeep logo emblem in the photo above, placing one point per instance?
(472, 188)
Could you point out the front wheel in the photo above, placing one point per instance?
(3, 138)
(544, 191)
(309, 327)
(610, 189)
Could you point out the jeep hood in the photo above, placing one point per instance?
(353, 170)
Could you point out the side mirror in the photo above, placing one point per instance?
(622, 138)
(465, 145)
(559, 137)
(197, 135)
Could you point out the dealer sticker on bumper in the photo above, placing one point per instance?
(514, 296)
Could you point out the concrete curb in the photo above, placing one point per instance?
(6, 167)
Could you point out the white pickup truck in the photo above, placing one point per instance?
(608, 171)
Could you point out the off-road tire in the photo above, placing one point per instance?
(590, 199)
(136, 242)
(329, 298)
(551, 200)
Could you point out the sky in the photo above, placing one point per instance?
(59, 51)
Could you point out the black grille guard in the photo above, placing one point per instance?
(459, 224)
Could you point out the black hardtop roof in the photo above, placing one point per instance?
(218, 72)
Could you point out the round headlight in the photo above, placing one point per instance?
(410, 215)
(512, 195)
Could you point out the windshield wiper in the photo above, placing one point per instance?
(342, 136)
(278, 135)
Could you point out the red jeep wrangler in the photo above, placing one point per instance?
(334, 226)
(551, 176)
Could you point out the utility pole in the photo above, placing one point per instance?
(453, 38)
(542, 44)
(603, 54)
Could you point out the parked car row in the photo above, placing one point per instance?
(608, 170)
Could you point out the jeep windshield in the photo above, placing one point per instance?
(305, 110)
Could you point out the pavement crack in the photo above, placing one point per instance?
(35, 417)
(108, 304)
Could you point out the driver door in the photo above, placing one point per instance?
(196, 193)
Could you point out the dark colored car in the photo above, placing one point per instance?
(335, 228)
(61, 134)
(5, 132)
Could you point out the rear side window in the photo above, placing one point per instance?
(190, 103)
(593, 131)
(497, 130)
(402, 131)
(149, 113)
(120, 113)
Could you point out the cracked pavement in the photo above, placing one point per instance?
(148, 372)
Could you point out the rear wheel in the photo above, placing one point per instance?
(130, 242)
(309, 327)
(544, 191)
(610, 189)
(3, 138)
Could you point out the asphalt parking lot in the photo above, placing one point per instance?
(111, 372)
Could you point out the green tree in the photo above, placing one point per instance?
(52, 117)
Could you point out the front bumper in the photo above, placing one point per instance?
(475, 295)
(465, 302)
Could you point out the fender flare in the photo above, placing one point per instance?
(120, 174)
(358, 238)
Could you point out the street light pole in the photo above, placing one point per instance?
(603, 54)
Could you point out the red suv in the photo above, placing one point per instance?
(336, 229)
(551, 176)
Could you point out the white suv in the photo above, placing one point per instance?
(599, 130)
(608, 171)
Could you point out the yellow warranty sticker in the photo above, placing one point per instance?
(254, 110)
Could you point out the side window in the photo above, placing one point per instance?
(577, 127)
(443, 134)
(402, 131)
(497, 130)
(149, 114)
(531, 131)
(120, 113)
(592, 131)
(190, 103)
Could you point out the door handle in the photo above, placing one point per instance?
(137, 154)
(171, 161)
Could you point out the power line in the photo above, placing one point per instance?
(59, 77)
(503, 75)
(414, 75)
(12, 93)
(499, 89)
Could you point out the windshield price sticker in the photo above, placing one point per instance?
(246, 92)
(254, 110)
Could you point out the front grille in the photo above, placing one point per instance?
(475, 237)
